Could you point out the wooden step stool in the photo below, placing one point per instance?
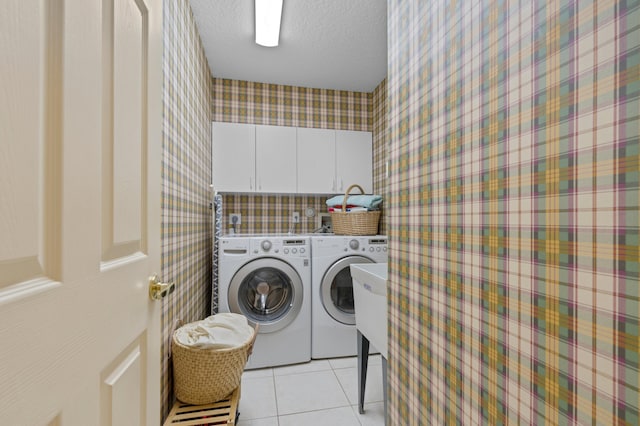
(219, 413)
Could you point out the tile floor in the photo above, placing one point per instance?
(320, 392)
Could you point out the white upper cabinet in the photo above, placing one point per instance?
(275, 159)
(316, 161)
(279, 159)
(354, 160)
(234, 157)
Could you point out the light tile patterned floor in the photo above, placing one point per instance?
(320, 392)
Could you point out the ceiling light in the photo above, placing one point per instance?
(268, 15)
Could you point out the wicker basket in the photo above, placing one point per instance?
(354, 223)
(204, 376)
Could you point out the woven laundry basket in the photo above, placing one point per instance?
(354, 223)
(204, 376)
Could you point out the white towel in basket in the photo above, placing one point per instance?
(220, 331)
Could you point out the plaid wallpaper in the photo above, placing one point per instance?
(513, 212)
(257, 103)
(270, 213)
(239, 101)
(186, 175)
(380, 147)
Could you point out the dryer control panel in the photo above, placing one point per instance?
(378, 244)
(372, 246)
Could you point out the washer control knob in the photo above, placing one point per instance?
(302, 250)
(354, 244)
(384, 249)
(294, 250)
(266, 245)
(371, 249)
(286, 251)
(377, 248)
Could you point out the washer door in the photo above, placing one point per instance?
(336, 289)
(268, 292)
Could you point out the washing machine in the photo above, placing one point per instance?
(268, 279)
(333, 330)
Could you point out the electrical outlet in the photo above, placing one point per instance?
(235, 218)
(295, 217)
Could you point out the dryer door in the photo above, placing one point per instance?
(336, 289)
(268, 292)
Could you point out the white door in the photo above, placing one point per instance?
(316, 161)
(276, 158)
(80, 144)
(354, 160)
(234, 157)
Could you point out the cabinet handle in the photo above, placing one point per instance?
(333, 185)
(250, 183)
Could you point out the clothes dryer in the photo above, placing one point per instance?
(333, 330)
(268, 279)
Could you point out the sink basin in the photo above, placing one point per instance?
(370, 300)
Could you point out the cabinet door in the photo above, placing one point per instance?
(316, 161)
(234, 160)
(276, 159)
(354, 160)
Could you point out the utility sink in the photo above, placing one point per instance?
(370, 300)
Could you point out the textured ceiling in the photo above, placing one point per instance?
(327, 44)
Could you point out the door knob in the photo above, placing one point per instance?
(158, 290)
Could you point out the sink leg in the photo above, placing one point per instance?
(363, 361)
(384, 386)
